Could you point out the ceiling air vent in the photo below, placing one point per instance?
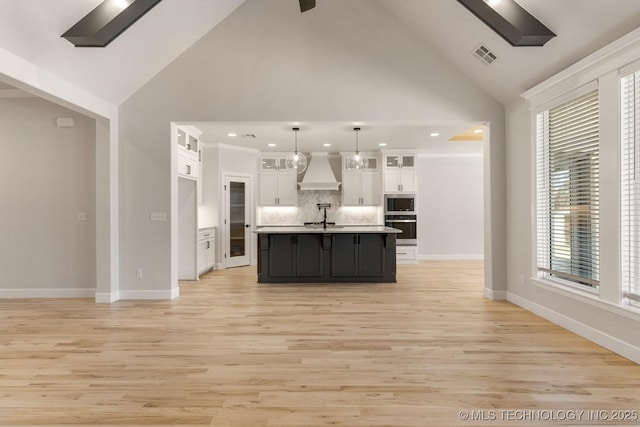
(484, 55)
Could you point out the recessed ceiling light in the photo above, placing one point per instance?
(232, 134)
(477, 131)
(122, 4)
(382, 144)
(494, 3)
(434, 134)
(326, 145)
(271, 145)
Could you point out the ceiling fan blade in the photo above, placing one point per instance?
(307, 4)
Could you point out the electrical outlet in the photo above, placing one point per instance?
(82, 216)
(139, 273)
(158, 216)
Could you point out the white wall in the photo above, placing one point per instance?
(347, 61)
(208, 211)
(187, 231)
(450, 200)
(47, 176)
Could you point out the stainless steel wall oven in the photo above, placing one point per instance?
(400, 212)
(409, 226)
(400, 204)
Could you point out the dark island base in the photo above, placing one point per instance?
(327, 258)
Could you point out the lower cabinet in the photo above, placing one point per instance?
(358, 255)
(298, 255)
(407, 254)
(326, 257)
(206, 250)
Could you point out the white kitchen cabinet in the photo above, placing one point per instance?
(206, 250)
(406, 254)
(268, 188)
(351, 188)
(272, 163)
(188, 155)
(287, 188)
(400, 173)
(362, 187)
(188, 166)
(278, 185)
(400, 181)
(373, 160)
(370, 185)
(399, 161)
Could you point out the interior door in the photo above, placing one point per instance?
(237, 221)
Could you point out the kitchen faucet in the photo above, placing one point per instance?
(324, 206)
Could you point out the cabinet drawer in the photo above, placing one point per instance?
(188, 168)
(206, 233)
(407, 254)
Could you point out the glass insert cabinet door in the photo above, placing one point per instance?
(237, 219)
(238, 225)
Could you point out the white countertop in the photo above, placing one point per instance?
(328, 230)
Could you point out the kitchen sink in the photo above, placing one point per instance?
(320, 225)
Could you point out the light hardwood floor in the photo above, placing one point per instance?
(230, 352)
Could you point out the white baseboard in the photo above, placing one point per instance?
(446, 257)
(607, 341)
(495, 295)
(107, 297)
(150, 295)
(47, 293)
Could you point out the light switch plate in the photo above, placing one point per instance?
(158, 216)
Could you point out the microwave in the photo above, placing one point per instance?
(400, 204)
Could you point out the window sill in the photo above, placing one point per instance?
(588, 296)
(568, 286)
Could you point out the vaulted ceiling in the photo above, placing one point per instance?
(31, 29)
(581, 26)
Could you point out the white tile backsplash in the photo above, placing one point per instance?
(307, 211)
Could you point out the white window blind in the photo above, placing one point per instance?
(630, 200)
(568, 191)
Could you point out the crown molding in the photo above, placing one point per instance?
(229, 147)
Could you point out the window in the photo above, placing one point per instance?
(630, 186)
(568, 191)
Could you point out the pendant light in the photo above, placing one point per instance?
(296, 160)
(356, 161)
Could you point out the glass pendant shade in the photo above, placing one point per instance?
(356, 161)
(295, 160)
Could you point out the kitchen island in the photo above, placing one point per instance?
(350, 254)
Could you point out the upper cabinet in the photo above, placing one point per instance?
(400, 173)
(278, 185)
(189, 156)
(362, 187)
(399, 161)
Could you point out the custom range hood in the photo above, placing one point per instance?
(319, 175)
